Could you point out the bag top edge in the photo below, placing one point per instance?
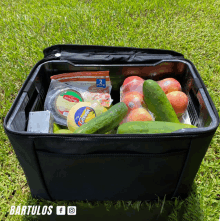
(97, 48)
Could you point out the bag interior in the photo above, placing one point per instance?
(34, 94)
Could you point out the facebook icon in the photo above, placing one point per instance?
(61, 210)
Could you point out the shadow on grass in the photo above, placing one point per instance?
(175, 210)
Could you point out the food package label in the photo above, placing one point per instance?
(68, 89)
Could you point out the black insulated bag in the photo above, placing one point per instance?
(98, 167)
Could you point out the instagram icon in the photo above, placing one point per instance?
(71, 210)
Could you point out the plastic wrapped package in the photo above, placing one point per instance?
(66, 90)
(133, 85)
(137, 109)
(83, 112)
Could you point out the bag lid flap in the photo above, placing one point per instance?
(95, 54)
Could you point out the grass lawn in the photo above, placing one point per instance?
(189, 27)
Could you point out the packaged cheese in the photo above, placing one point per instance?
(66, 90)
(91, 85)
(83, 112)
(65, 100)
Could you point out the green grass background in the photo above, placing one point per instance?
(189, 27)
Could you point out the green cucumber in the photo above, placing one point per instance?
(158, 103)
(114, 131)
(106, 121)
(151, 127)
(56, 127)
(63, 131)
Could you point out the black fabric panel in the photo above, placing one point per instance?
(197, 152)
(71, 145)
(111, 176)
(27, 158)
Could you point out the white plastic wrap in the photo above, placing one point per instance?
(131, 94)
(66, 90)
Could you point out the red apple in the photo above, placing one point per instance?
(169, 84)
(132, 78)
(179, 101)
(133, 83)
(139, 114)
(133, 100)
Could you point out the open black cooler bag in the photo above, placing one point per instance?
(97, 167)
